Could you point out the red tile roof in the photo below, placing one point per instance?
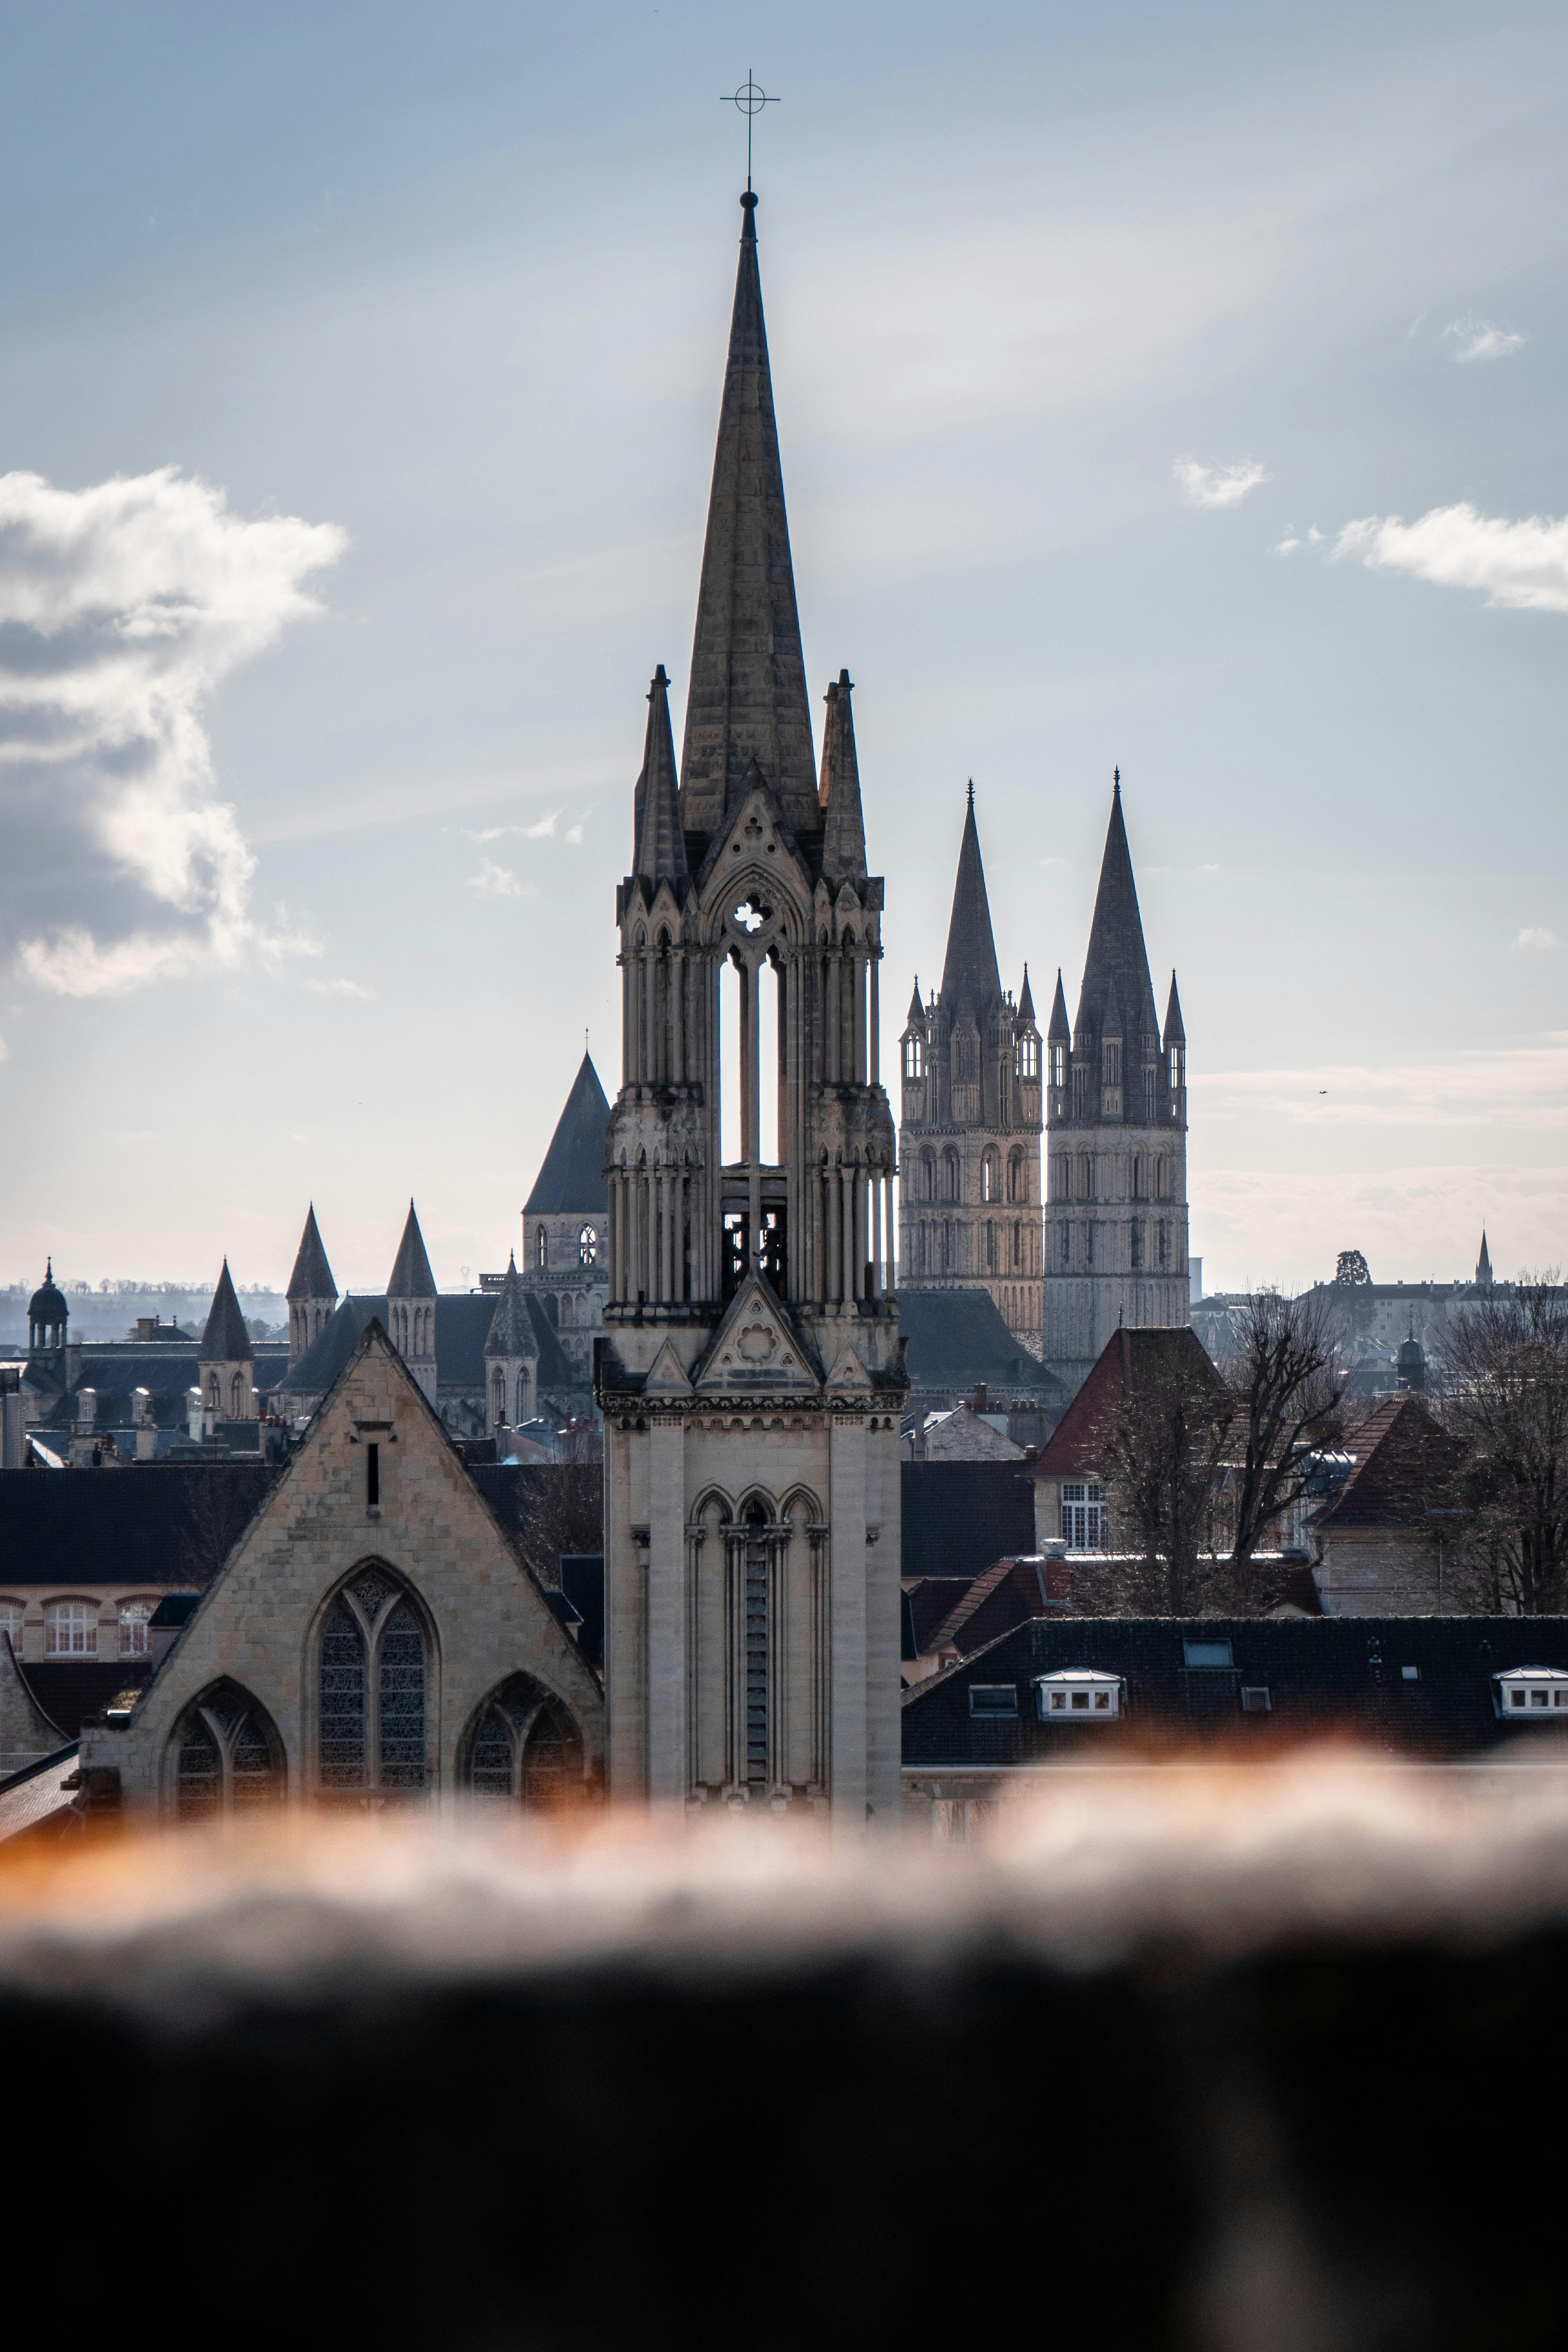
(1076, 1448)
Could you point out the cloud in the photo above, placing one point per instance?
(1539, 937)
(1521, 565)
(122, 608)
(341, 988)
(4, 1050)
(498, 882)
(1285, 546)
(1478, 338)
(1218, 486)
(543, 829)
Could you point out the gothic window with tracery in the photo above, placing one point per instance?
(372, 1675)
(1028, 1056)
(229, 1759)
(914, 1060)
(588, 1246)
(237, 1396)
(525, 1748)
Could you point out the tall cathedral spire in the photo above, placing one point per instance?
(1117, 962)
(747, 697)
(844, 829)
(660, 852)
(971, 978)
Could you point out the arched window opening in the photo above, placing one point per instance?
(732, 1146)
(372, 1684)
(988, 1189)
(1112, 1062)
(237, 1396)
(525, 1398)
(928, 1177)
(1017, 1188)
(229, 1759)
(70, 1630)
(914, 1056)
(1135, 1233)
(1058, 1065)
(1028, 1056)
(1178, 1067)
(526, 1750)
(553, 1308)
(497, 1397)
(588, 1246)
(542, 1248)
(1137, 1176)
(214, 1395)
(1159, 1180)
(566, 1312)
(950, 1175)
(769, 984)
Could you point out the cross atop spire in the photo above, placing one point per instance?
(971, 980)
(747, 697)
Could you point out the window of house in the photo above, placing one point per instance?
(1079, 1694)
(1207, 1653)
(994, 1698)
(70, 1629)
(1538, 1693)
(227, 1757)
(1083, 1516)
(1410, 1674)
(1255, 1699)
(372, 1688)
(12, 1619)
(588, 1246)
(134, 1618)
(914, 1058)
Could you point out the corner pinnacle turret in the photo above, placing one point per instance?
(971, 977)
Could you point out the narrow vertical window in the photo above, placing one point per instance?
(343, 1702)
(373, 1474)
(402, 1695)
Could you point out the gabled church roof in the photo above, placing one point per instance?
(226, 1340)
(659, 849)
(1117, 963)
(971, 980)
(411, 1277)
(312, 1276)
(844, 827)
(573, 1175)
(747, 697)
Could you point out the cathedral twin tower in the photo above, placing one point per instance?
(751, 1373)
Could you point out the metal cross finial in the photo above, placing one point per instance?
(1116, 778)
(749, 100)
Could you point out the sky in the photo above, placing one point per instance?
(1171, 387)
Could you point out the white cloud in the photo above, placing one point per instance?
(1285, 546)
(1537, 938)
(4, 1050)
(122, 608)
(1479, 339)
(1218, 486)
(1522, 566)
(341, 988)
(497, 881)
(543, 829)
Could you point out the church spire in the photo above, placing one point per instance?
(844, 831)
(970, 978)
(1061, 1031)
(1484, 1264)
(1117, 962)
(1176, 1035)
(661, 849)
(747, 697)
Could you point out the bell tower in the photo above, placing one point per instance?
(750, 1374)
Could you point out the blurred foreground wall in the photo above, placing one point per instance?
(1282, 2071)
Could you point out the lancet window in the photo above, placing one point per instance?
(227, 1757)
(525, 1748)
(371, 1685)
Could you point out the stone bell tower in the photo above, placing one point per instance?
(750, 1374)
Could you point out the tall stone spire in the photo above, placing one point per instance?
(661, 848)
(312, 1276)
(1061, 1031)
(225, 1336)
(971, 978)
(1117, 962)
(1484, 1264)
(1176, 1035)
(747, 697)
(844, 829)
(411, 1277)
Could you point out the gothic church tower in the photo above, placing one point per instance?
(1116, 1137)
(751, 1373)
(969, 1137)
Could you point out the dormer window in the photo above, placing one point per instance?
(1079, 1694)
(1531, 1695)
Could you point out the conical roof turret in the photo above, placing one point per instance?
(971, 980)
(747, 695)
(572, 1175)
(1484, 1263)
(312, 1276)
(1061, 1031)
(844, 826)
(1117, 962)
(411, 1277)
(661, 848)
(916, 1010)
(511, 1326)
(1174, 1034)
(1026, 1000)
(226, 1340)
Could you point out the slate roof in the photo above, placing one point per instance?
(167, 1369)
(312, 1276)
(1323, 1674)
(958, 1336)
(1076, 1446)
(1405, 1469)
(225, 1338)
(971, 981)
(1116, 968)
(573, 1176)
(157, 1524)
(463, 1320)
(958, 1518)
(511, 1326)
(411, 1277)
(746, 698)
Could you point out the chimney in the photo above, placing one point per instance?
(146, 1327)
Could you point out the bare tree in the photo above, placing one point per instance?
(1503, 1368)
(1163, 1445)
(1280, 1367)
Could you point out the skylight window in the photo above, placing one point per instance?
(1207, 1653)
(994, 1698)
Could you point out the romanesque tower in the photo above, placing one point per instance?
(969, 1135)
(1116, 1137)
(751, 1373)
(312, 1294)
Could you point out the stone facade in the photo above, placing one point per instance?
(373, 1535)
(969, 1134)
(1116, 1140)
(751, 1375)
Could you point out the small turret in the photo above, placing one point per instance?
(312, 1294)
(659, 846)
(1174, 1047)
(49, 1315)
(225, 1357)
(411, 1307)
(512, 1355)
(844, 826)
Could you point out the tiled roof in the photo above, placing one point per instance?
(155, 1525)
(1404, 1466)
(573, 1176)
(1000, 1598)
(1322, 1674)
(957, 1338)
(958, 1518)
(1076, 1445)
(462, 1325)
